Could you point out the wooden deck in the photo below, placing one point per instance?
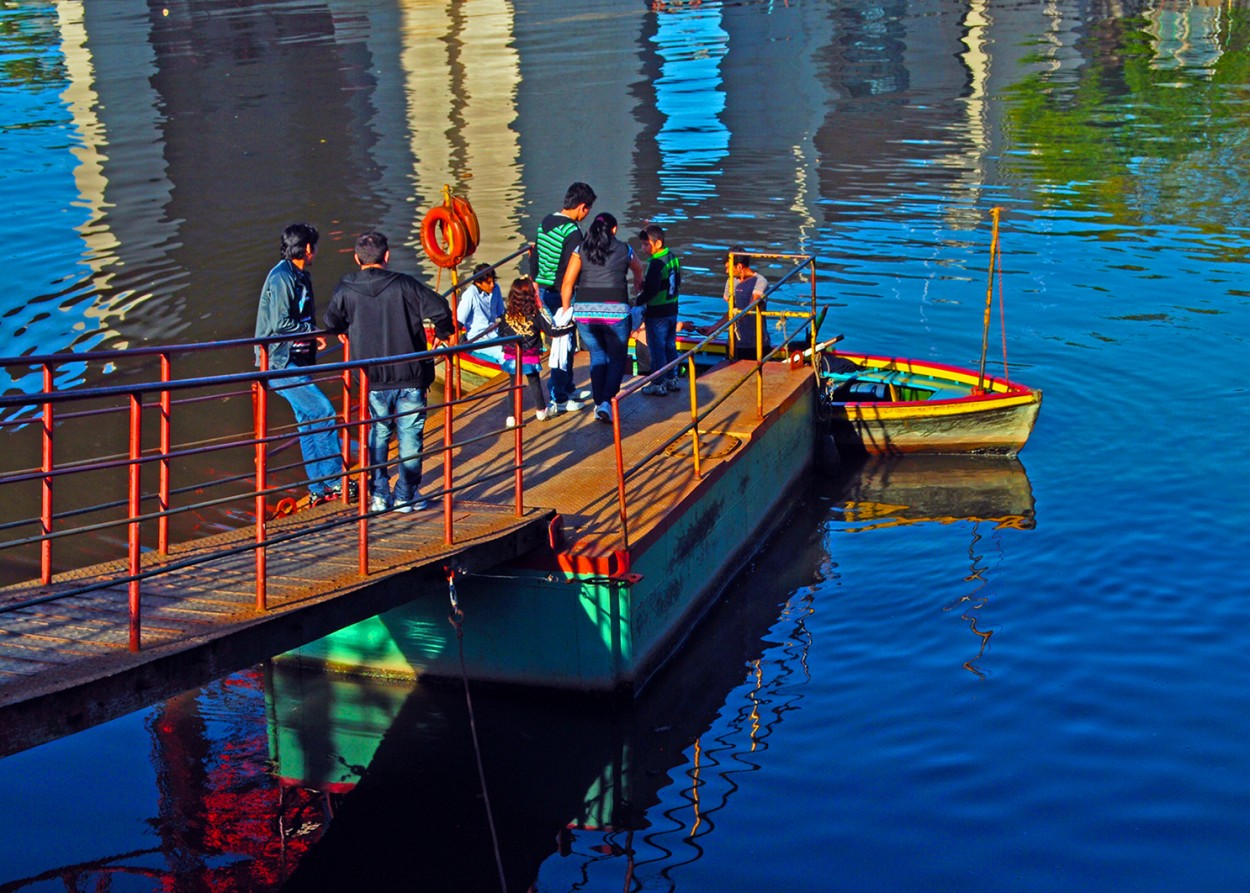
(571, 464)
(64, 665)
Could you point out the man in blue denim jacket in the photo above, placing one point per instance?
(383, 312)
(287, 308)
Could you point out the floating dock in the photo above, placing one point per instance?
(610, 603)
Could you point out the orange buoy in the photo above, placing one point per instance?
(463, 212)
(441, 227)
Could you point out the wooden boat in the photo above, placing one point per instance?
(885, 405)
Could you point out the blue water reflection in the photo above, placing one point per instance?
(690, 97)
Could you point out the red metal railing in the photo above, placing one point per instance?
(57, 415)
(756, 312)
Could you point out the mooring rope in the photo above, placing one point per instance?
(457, 618)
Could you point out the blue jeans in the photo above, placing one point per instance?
(561, 380)
(319, 442)
(662, 342)
(409, 405)
(608, 346)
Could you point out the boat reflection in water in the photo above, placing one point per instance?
(595, 790)
(892, 491)
(887, 491)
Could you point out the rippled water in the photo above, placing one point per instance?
(1011, 677)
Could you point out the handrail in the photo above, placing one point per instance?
(697, 415)
(135, 398)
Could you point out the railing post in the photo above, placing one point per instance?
(449, 415)
(166, 404)
(345, 434)
(135, 501)
(45, 515)
(620, 470)
(517, 446)
(815, 335)
(694, 418)
(260, 430)
(365, 475)
(759, 361)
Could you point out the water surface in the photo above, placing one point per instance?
(1012, 677)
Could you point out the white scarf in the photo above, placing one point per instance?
(559, 358)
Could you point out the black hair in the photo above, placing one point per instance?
(653, 232)
(295, 239)
(739, 256)
(599, 239)
(371, 248)
(483, 271)
(579, 194)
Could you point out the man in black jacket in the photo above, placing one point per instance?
(382, 313)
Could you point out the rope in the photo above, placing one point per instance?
(1002, 313)
(457, 620)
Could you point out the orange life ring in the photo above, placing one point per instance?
(463, 211)
(440, 226)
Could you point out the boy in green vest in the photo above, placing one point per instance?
(660, 288)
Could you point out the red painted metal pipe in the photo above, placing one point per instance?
(363, 459)
(260, 429)
(620, 469)
(162, 523)
(518, 446)
(449, 415)
(45, 516)
(345, 434)
(136, 508)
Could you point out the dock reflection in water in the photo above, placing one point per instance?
(597, 791)
(573, 785)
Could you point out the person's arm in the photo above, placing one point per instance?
(568, 249)
(571, 273)
(277, 300)
(464, 309)
(336, 318)
(496, 304)
(548, 325)
(758, 287)
(635, 267)
(651, 282)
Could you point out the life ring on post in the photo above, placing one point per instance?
(463, 211)
(442, 226)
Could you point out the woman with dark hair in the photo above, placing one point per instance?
(598, 270)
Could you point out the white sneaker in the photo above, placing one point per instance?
(604, 412)
(417, 505)
(509, 422)
(378, 504)
(572, 405)
(541, 415)
(582, 396)
(554, 409)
